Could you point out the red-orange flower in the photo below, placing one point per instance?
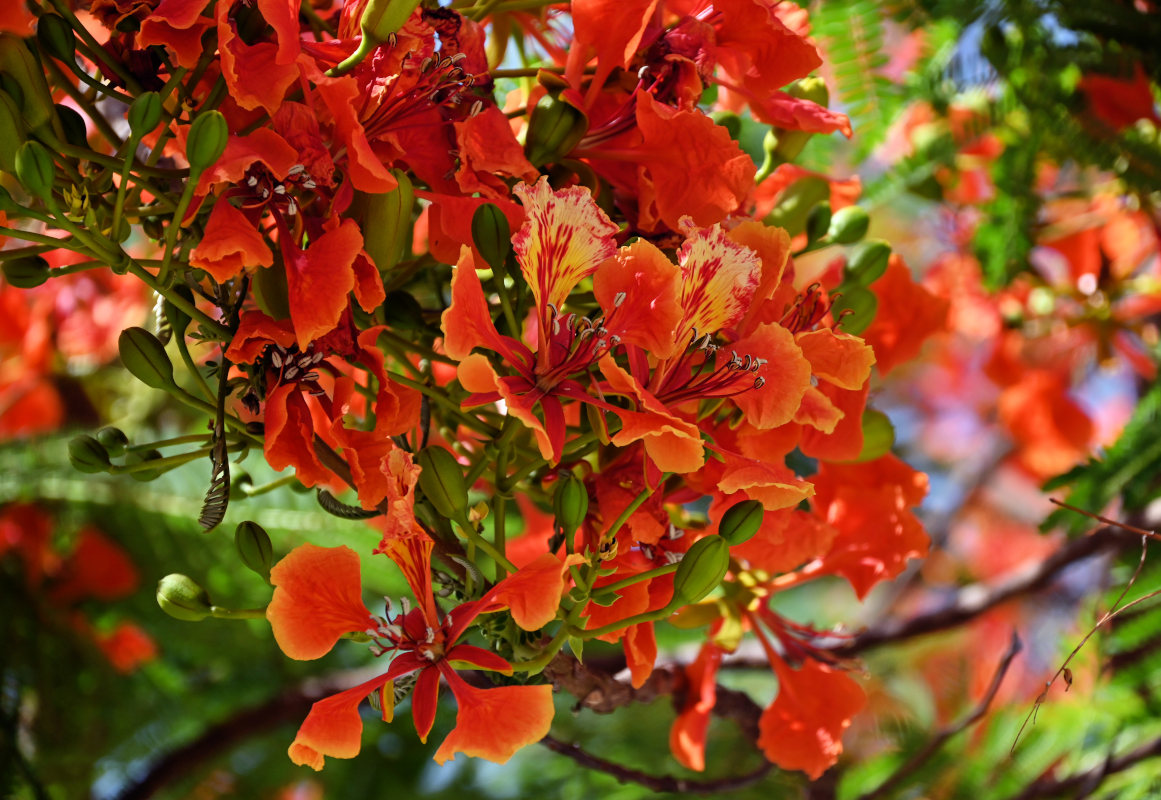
(317, 599)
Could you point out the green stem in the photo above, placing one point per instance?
(537, 664)
(642, 576)
(216, 328)
(474, 537)
(438, 396)
(191, 438)
(613, 627)
(237, 613)
(285, 480)
(174, 226)
(629, 509)
(183, 350)
(93, 50)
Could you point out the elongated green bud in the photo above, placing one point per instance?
(869, 263)
(741, 522)
(21, 66)
(701, 570)
(25, 273)
(387, 224)
(849, 225)
(818, 221)
(35, 169)
(570, 504)
(254, 548)
(795, 203)
(178, 319)
(492, 235)
(380, 20)
(183, 598)
(878, 435)
(56, 37)
(856, 308)
(442, 481)
(13, 132)
(145, 114)
(87, 454)
(72, 125)
(145, 358)
(113, 440)
(207, 140)
(555, 128)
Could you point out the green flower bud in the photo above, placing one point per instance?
(73, 125)
(387, 223)
(741, 521)
(56, 37)
(570, 504)
(701, 570)
(878, 435)
(795, 203)
(849, 225)
(21, 66)
(207, 140)
(856, 308)
(87, 454)
(240, 485)
(812, 89)
(25, 273)
(140, 457)
(728, 120)
(818, 221)
(183, 598)
(113, 440)
(554, 129)
(869, 263)
(442, 481)
(145, 358)
(254, 548)
(145, 114)
(492, 235)
(13, 132)
(35, 169)
(381, 18)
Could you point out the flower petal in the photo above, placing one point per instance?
(317, 598)
(494, 723)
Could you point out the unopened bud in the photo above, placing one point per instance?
(207, 140)
(795, 203)
(855, 309)
(25, 273)
(554, 129)
(387, 223)
(254, 548)
(145, 358)
(869, 263)
(145, 114)
(849, 225)
(87, 454)
(818, 221)
(741, 522)
(13, 131)
(701, 570)
(23, 70)
(113, 440)
(570, 504)
(442, 481)
(492, 235)
(56, 37)
(183, 598)
(136, 457)
(878, 435)
(72, 124)
(35, 169)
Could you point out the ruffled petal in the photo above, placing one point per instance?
(494, 723)
(317, 598)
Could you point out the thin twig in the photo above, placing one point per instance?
(941, 737)
(658, 783)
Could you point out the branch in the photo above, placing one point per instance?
(976, 599)
(658, 783)
(912, 765)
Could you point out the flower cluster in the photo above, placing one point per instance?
(558, 342)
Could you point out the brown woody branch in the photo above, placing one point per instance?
(658, 783)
